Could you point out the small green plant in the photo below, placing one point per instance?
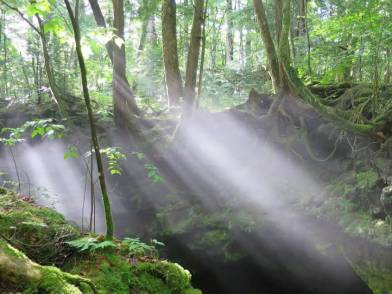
(71, 152)
(153, 173)
(90, 244)
(136, 248)
(113, 155)
(367, 180)
(151, 169)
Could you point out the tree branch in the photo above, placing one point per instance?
(22, 16)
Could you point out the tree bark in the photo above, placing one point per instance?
(229, 32)
(268, 43)
(170, 52)
(278, 19)
(284, 44)
(203, 52)
(124, 104)
(193, 55)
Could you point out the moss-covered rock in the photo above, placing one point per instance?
(114, 273)
(18, 270)
(41, 233)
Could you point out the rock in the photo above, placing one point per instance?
(386, 200)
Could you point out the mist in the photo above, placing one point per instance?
(216, 162)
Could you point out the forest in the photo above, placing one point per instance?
(196, 146)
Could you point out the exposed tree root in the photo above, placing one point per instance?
(17, 269)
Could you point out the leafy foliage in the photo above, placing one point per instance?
(136, 248)
(114, 155)
(44, 128)
(91, 244)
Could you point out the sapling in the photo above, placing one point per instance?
(74, 17)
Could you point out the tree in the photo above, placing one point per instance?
(100, 20)
(94, 137)
(229, 32)
(170, 52)
(268, 43)
(124, 105)
(193, 55)
(60, 98)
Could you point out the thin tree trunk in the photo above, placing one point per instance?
(94, 137)
(143, 37)
(193, 55)
(35, 67)
(58, 96)
(284, 45)
(248, 48)
(306, 27)
(170, 52)
(229, 32)
(5, 69)
(388, 71)
(203, 51)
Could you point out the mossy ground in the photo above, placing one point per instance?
(25, 225)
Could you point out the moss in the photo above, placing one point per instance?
(40, 232)
(377, 278)
(29, 225)
(53, 281)
(113, 273)
(161, 277)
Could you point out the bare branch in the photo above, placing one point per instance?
(22, 16)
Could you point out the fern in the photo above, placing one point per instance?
(90, 244)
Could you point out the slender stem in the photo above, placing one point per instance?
(16, 168)
(94, 136)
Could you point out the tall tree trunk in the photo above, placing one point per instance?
(229, 32)
(147, 14)
(203, 51)
(170, 52)
(94, 136)
(5, 69)
(268, 43)
(248, 48)
(306, 27)
(301, 19)
(35, 66)
(143, 36)
(59, 97)
(193, 55)
(100, 20)
(278, 19)
(388, 70)
(124, 104)
(284, 44)
(152, 36)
